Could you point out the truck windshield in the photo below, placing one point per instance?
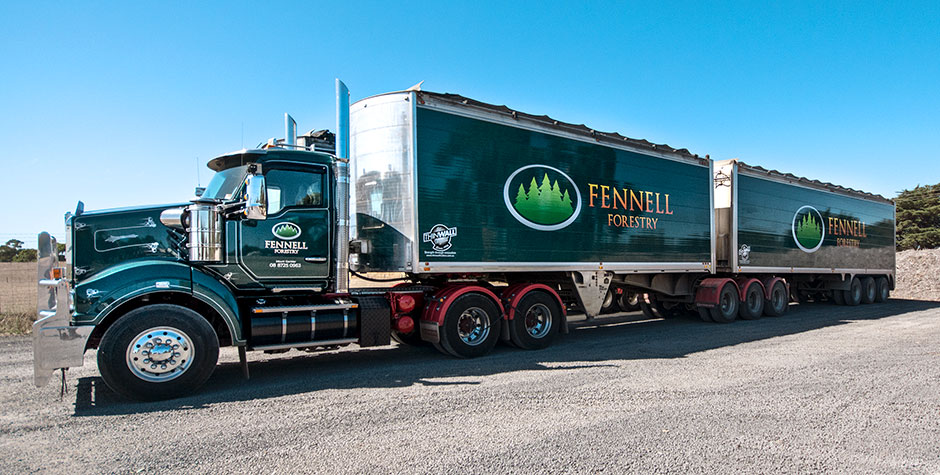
(225, 183)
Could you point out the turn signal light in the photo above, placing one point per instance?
(58, 272)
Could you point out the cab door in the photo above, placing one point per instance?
(294, 242)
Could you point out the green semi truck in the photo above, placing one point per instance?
(500, 222)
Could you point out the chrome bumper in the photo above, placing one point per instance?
(56, 344)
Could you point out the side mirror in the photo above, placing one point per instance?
(199, 191)
(256, 199)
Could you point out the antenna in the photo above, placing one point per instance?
(198, 179)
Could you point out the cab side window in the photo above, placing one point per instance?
(294, 188)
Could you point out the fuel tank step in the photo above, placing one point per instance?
(302, 324)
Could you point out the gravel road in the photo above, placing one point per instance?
(825, 388)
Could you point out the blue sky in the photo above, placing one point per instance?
(115, 103)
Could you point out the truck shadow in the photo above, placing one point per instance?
(590, 344)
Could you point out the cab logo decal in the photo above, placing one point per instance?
(286, 231)
(542, 197)
(808, 229)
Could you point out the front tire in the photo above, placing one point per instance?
(158, 352)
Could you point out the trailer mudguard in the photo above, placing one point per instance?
(708, 292)
(210, 290)
(745, 282)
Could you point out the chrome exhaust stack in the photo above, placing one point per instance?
(341, 197)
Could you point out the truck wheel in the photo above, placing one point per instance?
(610, 303)
(647, 308)
(410, 339)
(471, 326)
(158, 352)
(853, 296)
(882, 290)
(535, 323)
(704, 314)
(727, 309)
(753, 305)
(629, 301)
(779, 300)
(838, 297)
(869, 290)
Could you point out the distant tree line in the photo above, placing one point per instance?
(13, 251)
(918, 218)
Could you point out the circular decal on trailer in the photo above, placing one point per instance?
(542, 197)
(808, 229)
(286, 230)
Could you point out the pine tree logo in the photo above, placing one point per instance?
(286, 230)
(808, 229)
(542, 197)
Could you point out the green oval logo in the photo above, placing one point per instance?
(286, 231)
(542, 197)
(808, 229)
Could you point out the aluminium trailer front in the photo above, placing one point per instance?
(448, 185)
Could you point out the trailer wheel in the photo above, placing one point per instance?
(727, 309)
(610, 304)
(158, 352)
(838, 297)
(704, 314)
(779, 300)
(883, 290)
(471, 326)
(629, 301)
(647, 307)
(536, 321)
(853, 296)
(869, 290)
(753, 305)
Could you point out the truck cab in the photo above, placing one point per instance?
(252, 262)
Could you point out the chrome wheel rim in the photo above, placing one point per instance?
(160, 354)
(538, 320)
(473, 326)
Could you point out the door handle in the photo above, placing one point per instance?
(315, 259)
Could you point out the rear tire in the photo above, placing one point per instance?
(629, 301)
(779, 301)
(838, 297)
(883, 290)
(753, 305)
(158, 352)
(536, 321)
(853, 296)
(705, 315)
(869, 290)
(471, 326)
(647, 308)
(727, 309)
(410, 339)
(610, 304)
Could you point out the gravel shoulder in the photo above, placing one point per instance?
(825, 388)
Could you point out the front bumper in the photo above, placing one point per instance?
(56, 344)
